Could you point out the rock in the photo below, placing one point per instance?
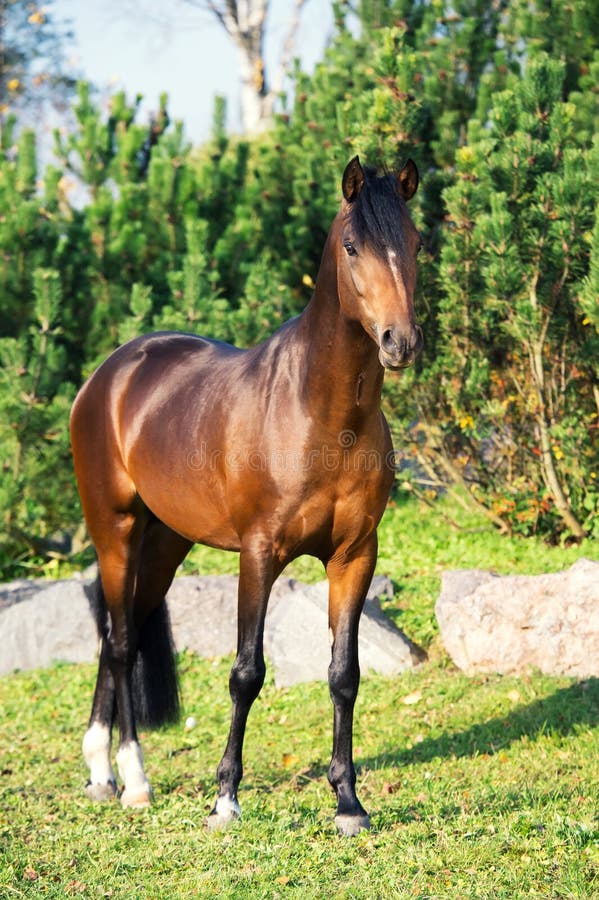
(54, 623)
(509, 624)
(203, 612)
(297, 638)
(204, 619)
(19, 590)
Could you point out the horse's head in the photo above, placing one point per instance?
(376, 260)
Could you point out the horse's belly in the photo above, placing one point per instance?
(194, 510)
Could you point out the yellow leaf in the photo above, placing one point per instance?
(14, 84)
(36, 18)
(307, 280)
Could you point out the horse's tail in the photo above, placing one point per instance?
(155, 685)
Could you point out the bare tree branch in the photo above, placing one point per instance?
(289, 47)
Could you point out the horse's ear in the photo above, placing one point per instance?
(407, 180)
(353, 179)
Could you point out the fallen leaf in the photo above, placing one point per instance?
(411, 699)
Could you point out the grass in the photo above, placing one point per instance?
(481, 787)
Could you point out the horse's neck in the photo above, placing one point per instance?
(343, 377)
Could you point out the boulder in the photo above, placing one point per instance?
(203, 613)
(297, 639)
(49, 624)
(508, 624)
(41, 623)
(22, 589)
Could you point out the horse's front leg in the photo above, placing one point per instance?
(349, 579)
(256, 577)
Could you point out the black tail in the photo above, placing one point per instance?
(154, 679)
(155, 683)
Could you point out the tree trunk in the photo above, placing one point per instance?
(549, 470)
(245, 23)
(256, 104)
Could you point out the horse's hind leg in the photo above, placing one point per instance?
(117, 537)
(159, 552)
(256, 577)
(97, 740)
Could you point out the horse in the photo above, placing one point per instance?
(274, 451)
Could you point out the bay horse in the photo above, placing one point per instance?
(274, 451)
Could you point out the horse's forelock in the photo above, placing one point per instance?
(375, 216)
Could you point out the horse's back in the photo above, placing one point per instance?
(157, 361)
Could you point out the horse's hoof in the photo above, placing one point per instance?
(101, 792)
(214, 822)
(136, 799)
(350, 826)
(224, 813)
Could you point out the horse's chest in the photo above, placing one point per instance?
(338, 505)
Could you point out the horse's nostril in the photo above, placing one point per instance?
(388, 341)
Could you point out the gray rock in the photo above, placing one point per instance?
(297, 639)
(512, 623)
(52, 624)
(21, 589)
(55, 623)
(203, 612)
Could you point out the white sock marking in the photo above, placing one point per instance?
(227, 808)
(96, 752)
(130, 763)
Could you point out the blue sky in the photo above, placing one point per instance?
(191, 58)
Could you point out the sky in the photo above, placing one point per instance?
(129, 44)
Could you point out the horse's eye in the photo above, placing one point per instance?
(350, 249)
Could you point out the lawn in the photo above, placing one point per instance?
(478, 787)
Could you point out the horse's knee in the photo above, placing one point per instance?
(344, 680)
(246, 680)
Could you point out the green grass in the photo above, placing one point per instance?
(482, 787)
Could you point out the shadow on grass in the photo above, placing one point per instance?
(561, 713)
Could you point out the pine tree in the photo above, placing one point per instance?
(515, 386)
(37, 495)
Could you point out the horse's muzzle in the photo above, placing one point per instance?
(398, 350)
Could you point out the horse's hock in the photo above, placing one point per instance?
(509, 624)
